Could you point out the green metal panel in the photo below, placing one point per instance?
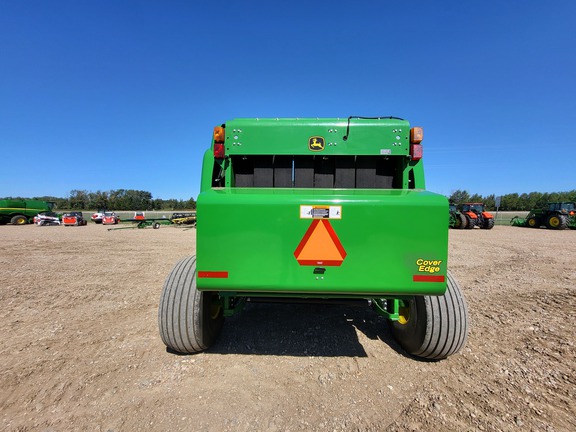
(389, 236)
(291, 136)
(387, 242)
(28, 208)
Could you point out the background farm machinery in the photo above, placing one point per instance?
(140, 221)
(556, 215)
(73, 219)
(456, 219)
(22, 212)
(469, 216)
(184, 218)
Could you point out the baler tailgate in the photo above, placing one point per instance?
(355, 242)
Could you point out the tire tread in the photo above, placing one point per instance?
(178, 317)
(441, 327)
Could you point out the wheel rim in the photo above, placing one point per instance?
(215, 307)
(404, 314)
(531, 222)
(554, 221)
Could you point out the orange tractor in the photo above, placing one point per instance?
(476, 216)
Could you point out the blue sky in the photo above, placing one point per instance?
(101, 95)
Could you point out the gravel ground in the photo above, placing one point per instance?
(81, 351)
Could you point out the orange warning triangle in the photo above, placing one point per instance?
(320, 246)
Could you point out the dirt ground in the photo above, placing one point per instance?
(80, 347)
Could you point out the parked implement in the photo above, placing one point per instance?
(476, 216)
(73, 219)
(139, 222)
(110, 218)
(21, 212)
(47, 219)
(317, 210)
(98, 216)
(456, 219)
(184, 218)
(556, 215)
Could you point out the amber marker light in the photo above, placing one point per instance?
(416, 135)
(218, 134)
(219, 150)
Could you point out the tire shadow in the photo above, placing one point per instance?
(302, 330)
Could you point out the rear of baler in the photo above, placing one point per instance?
(317, 209)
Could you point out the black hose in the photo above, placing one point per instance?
(345, 137)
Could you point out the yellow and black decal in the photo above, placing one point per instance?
(316, 143)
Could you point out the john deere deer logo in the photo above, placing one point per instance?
(316, 143)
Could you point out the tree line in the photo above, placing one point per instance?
(129, 199)
(119, 199)
(513, 201)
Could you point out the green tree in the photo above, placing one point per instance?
(509, 202)
(190, 204)
(99, 200)
(78, 200)
(130, 199)
(476, 198)
(489, 202)
(459, 196)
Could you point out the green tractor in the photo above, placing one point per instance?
(456, 219)
(317, 210)
(476, 216)
(556, 215)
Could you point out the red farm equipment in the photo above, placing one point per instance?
(476, 216)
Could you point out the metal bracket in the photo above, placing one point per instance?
(388, 308)
(232, 305)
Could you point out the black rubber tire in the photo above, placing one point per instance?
(557, 222)
(189, 320)
(156, 225)
(533, 223)
(460, 221)
(470, 223)
(463, 221)
(437, 325)
(488, 223)
(19, 220)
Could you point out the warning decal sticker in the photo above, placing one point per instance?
(320, 212)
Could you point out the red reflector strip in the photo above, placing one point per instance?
(213, 274)
(428, 278)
